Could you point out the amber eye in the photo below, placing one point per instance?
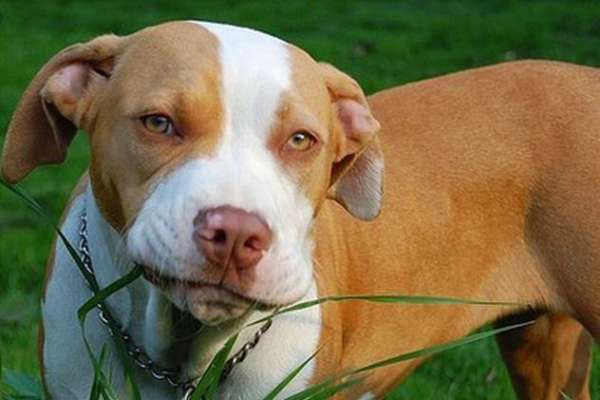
(160, 124)
(301, 141)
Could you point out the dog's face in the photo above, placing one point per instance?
(213, 148)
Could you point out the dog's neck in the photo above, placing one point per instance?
(148, 317)
(144, 312)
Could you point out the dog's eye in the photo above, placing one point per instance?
(160, 124)
(301, 141)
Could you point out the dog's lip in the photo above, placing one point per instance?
(164, 281)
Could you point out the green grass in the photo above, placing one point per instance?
(381, 43)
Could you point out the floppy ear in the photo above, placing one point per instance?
(357, 174)
(53, 106)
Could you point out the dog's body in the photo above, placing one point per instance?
(492, 176)
(491, 186)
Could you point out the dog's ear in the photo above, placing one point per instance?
(357, 173)
(53, 106)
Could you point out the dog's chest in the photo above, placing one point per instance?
(292, 339)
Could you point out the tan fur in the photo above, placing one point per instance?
(491, 193)
(491, 186)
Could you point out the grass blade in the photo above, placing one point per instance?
(93, 284)
(97, 385)
(100, 381)
(326, 388)
(440, 347)
(34, 205)
(565, 396)
(286, 381)
(104, 293)
(312, 390)
(385, 298)
(207, 386)
(126, 362)
(331, 391)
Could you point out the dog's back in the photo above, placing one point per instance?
(492, 191)
(514, 147)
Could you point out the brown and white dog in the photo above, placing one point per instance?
(216, 152)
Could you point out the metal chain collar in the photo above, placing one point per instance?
(137, 354)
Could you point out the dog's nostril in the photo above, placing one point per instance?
(220, 236)
(254, 243)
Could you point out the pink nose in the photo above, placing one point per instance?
(231, 236)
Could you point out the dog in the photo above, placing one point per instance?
(237, 171)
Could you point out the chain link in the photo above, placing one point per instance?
(243, 352)
(137, 354)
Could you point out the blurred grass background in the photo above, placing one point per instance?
(381, 43)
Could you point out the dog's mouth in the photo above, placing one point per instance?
(211, 303)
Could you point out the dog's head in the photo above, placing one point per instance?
(213, 148)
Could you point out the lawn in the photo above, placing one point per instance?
(381, 43)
